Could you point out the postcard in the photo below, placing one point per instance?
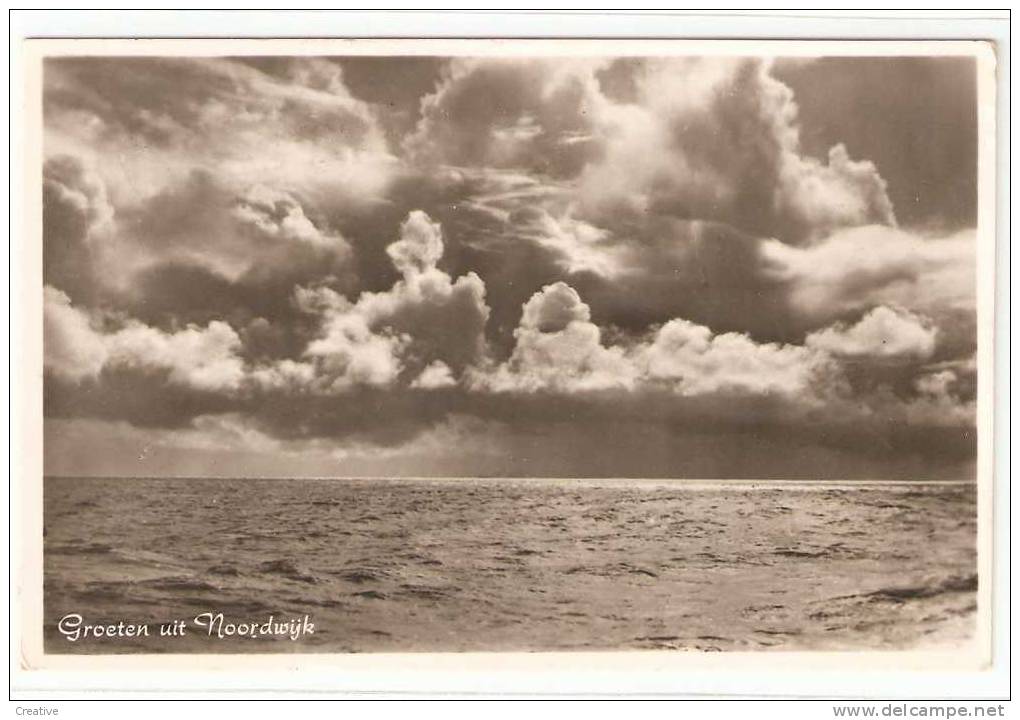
(353, 350)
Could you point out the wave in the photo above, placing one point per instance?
(359, 576)
(118, 589)
(286, 568)
(179, 584)
(224, 569)
(79, 549)
(952, 584)
(899, 594)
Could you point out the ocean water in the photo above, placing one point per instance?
(508, 565)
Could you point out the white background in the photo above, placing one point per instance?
(42, 689)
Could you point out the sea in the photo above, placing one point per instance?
(209, 565)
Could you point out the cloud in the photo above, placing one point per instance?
(234, 232)
(73, 348)
(859, 267)
(580, 247)
(163, 117)
(286, 376)
(231, 444)
(202, 358)
(239, 251)
(424, 317)
(352, 353)
(510, 113)
(885, 333)
(559, 349)
(436, 374)
(241, 254)
(524, 233)
(841, 193)
(683, 180)
(915, 117)
(697, 362)
(208, 163)
(76, 348)
(472, 435)
(78, 192)
(936, 384)
(279, 216)
(554, 309)
(714, 275)
(564, 372)
(76, 214)
(942, 399)
(717, 139)
(425, 323)
(420, 246)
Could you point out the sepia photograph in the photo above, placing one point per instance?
(534, 348)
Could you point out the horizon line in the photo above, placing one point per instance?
(959, 481)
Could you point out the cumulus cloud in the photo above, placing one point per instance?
(72, 347)
(435, 375)
(554, 309)
(426, 316)
(714, 275)
(200, 358)
(352, 353)
(683, 182)
(559, 349)
(824, 197)
(718, 139)
(420, 245)
(885, 333)
(286, 375)
(696, 362)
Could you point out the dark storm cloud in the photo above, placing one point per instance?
(646, 267)
(264, 314)
(706, 272)
(641, 435)
(144, 399)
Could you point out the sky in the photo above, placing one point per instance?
(693, 267)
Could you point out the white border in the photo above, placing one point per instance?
(430, 674)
